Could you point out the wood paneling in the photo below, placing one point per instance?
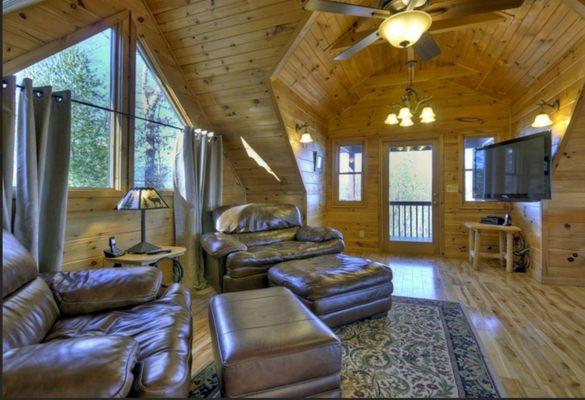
(552, 228)
(450, 101)
(227, 49)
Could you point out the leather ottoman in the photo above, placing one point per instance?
(268, 344)
(338, 288)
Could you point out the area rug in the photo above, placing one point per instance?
(422, 348)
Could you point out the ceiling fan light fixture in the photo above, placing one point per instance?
(407, 122)
(391, 119)
(427, 115)
(405, 28)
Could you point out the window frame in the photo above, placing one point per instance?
(118, 69)
(139, 45)
(473, 203)
(335, 173)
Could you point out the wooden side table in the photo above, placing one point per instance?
(506, 243)
(153, 260)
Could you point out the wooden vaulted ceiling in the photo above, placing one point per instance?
(499, 54)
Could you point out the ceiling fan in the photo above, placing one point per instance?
(405, 24)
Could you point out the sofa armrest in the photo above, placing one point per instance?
(317, 234)
(220, 245)
(89, 291)
(95, 367)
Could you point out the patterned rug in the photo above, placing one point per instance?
(422, 348)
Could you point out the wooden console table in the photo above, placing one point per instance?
(506, 244)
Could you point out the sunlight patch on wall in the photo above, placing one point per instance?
(256, 157)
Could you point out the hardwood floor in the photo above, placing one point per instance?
(534, 334)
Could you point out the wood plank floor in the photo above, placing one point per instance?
(534, 334)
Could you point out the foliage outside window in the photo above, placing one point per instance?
(469, 146)
(410, 170)
(350, 173)
(86, 70)
(154, 144)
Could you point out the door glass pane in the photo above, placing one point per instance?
(410, 193)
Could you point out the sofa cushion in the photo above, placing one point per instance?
(257, 259)
(256, 217)
(98, 290)
(18, 266)
(162, 328)
(28, 314)
(94, 367)
(266, 237)
(329, 275)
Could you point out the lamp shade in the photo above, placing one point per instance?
(404, 113)
(405, 28)
(306, 138)
(427, 115)
(141, 198)
(391, 119)
(407, 121)
(541, 121)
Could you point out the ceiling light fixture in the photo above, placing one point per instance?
(410, 104)
(542, 120)
(303, 130)
(405, 28)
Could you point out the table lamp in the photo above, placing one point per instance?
(142, 198)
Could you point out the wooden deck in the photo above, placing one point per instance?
(533, 333)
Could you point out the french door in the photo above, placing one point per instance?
(410, 196)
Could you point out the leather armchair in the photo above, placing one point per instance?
(251, 238)
(92, 333)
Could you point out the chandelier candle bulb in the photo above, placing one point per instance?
(406, 121)
(391, 119)
(404, 113)
(427, 115)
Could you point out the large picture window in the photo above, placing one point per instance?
(154, 144)
(86, 69)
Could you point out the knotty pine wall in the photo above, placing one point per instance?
(555, 229)
(365, 120)
(294, 111)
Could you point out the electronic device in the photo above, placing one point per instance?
(113, 251)
(492, 220)
(514, 170)
(158, 251)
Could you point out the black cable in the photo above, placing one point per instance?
(106, 109)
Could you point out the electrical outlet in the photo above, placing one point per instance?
(362, 234)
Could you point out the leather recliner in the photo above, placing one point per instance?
(251, 238)
(92, 333)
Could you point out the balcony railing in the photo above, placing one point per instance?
(411, 221)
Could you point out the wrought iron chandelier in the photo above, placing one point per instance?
(410, 104)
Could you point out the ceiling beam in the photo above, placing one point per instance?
(446, 25)
(390, 77)
(577, 6)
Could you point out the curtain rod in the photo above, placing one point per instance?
(104, 108)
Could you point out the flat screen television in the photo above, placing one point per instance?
(514, 170)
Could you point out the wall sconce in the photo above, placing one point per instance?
(303, 131)
(542, 119)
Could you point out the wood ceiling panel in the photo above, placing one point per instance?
(227, 50)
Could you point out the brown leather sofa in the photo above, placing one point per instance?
(251, 238)
(92, 333)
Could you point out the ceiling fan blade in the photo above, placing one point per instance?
(359, 46)
(346, 9)
(426, 47)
